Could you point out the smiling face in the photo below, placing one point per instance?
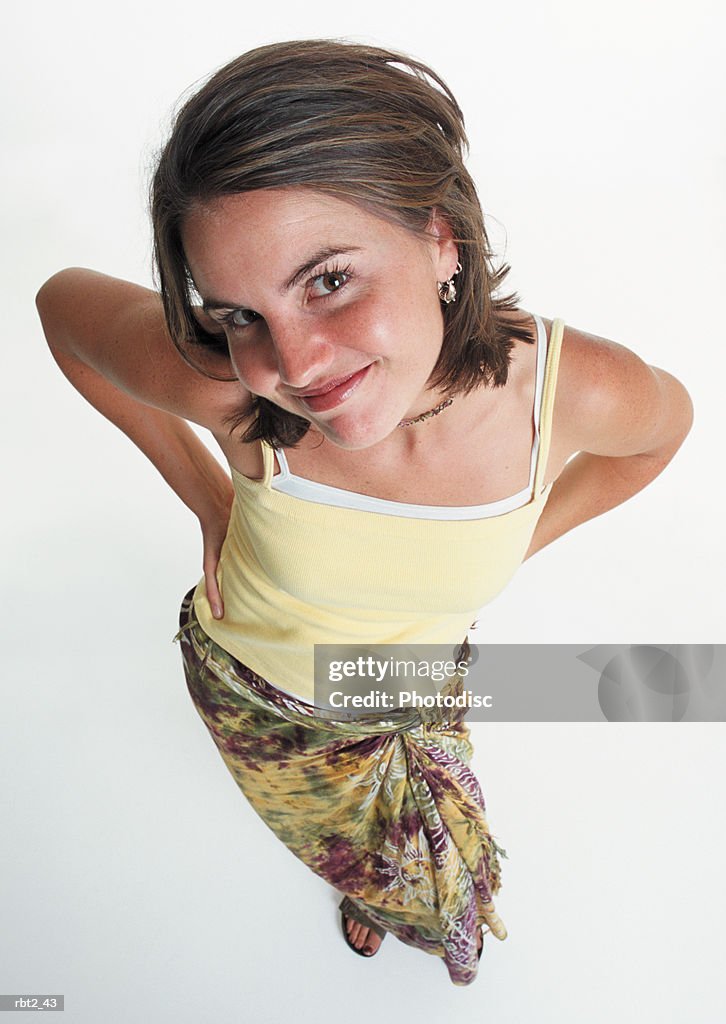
(330, 312)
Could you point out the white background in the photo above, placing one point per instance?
(136, 879)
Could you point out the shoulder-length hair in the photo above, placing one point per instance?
(358, 122)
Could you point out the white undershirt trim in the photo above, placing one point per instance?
(325, 494)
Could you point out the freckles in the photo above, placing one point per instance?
(374, 322)
(247, 366)
(346, 328)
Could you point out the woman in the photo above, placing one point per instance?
(399, 437)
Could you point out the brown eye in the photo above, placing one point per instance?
(242, 317)
(329, 282)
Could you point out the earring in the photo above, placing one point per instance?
(447, 289)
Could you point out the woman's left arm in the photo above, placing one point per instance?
(625, 419)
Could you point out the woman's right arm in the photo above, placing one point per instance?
(110, 340)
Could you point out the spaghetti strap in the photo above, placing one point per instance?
(548, 397)
(268, 462)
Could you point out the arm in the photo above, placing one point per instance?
(109, 339)
(625, 419)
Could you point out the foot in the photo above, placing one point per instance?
(362, 938)
(366, 940)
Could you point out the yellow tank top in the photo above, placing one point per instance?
(295, 571)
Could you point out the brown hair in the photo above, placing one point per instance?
(354, 121)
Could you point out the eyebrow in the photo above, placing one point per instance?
(316, 258)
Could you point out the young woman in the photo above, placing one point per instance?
(399, 435)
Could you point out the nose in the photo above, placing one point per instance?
(303, 354)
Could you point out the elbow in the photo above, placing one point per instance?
(47, 297)
(45, 303)
(53, 300)
(41, 299)
(682, 413)
(51, 290)
(688, 421)
(679, 414)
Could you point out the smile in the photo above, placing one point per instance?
(335, 395)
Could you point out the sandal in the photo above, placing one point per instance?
(348, 909)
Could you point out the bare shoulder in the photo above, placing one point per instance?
(116, 329)
(610, 402)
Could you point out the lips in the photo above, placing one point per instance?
(335, 393)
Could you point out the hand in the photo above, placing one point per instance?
(214, 530)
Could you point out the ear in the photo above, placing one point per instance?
(444, 249)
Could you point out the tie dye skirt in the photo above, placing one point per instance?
(388, 812)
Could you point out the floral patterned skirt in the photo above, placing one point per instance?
(388, 812)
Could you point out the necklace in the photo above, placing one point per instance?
(425, 415)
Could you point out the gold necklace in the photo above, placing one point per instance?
(425, 415)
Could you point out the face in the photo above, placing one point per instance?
(330, 312)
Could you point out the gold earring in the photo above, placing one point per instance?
(447, 289)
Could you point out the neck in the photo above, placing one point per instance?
(426, 414)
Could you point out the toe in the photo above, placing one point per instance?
(362, 938)
(372, 943)
(354, 930)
